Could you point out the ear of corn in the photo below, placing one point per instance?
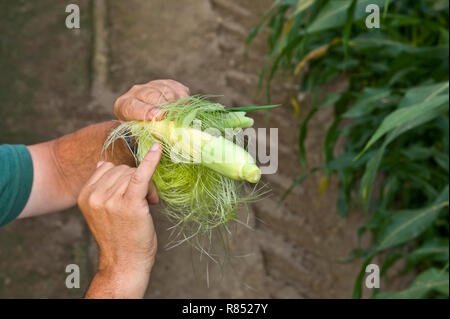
(214, 152)
(201, 176)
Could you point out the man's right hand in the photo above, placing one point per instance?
(115, 203)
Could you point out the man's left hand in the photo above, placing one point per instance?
(140, 102)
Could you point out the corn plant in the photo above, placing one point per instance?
(393, 119)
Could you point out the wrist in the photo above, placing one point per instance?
(119, 282)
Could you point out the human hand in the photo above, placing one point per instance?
(115, 203)
(139, 102)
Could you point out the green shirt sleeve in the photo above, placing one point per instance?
(16, 179)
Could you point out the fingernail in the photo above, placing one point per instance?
(153, 113)
(100, 163)
(154, 147)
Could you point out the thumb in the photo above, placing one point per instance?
(139, 182)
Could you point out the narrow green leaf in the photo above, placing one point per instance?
(357, 288)
(423, 93)
(329, 100)
(332, 15)
(302, 5)
(375, 161)
(252, 34)
(361, 5)
(368, 100)
(251, 108)
(408, 224)
(303, 132)
(438, 248)
(335, 12)
(255, 30)
(348, 27)
(405, 115)
(328, 146)
(430, 280)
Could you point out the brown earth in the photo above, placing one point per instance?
(54, 81)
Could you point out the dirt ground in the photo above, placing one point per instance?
(54, 81)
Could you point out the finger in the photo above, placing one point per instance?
(98, 173)
(109, 181)
(152, 196)
(177, 86)
(170, 89)
(132, 109)
(162, 93)
(179, 89)
(152, 95)
(139, 181)
(121, 184)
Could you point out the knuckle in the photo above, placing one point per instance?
(136, 179)
(111, 204)
(170, 94)
(148, 94)
(95, 201)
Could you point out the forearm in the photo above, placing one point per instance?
(62, 166)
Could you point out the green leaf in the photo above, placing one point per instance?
(251, 108)
(329, 100)
(255, 30)
(406, 115)
(423, 93)
(437, 247)
(334, 14)
(408, 224)
(373, 164)
(368, 100)
(442, 160)
(368, 178)
(348, 27)
(252, 34)
(430, 280)
(302, 5)
(391, 258)
(303, 132)
(357, 288)
(360, 10)
(328, 146)
(393, 47)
